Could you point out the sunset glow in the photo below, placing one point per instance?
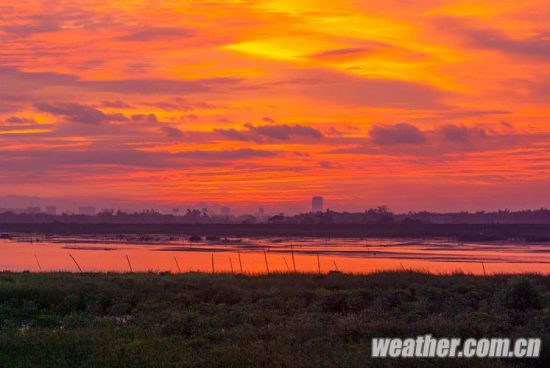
(438, 105)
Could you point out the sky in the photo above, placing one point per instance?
(419, 104)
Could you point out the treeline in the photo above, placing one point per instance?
(379, 215)
(192, 216)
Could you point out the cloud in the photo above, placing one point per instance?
(349, 90)
(189, 117)
(78, 113)
(479, 36)
(156, 33)
(332, 131)
(27, 29)
(539, 90)
(145, 118)
(461, 114)
(90, 115)
(460, 133)
(329, 165)
(383, 92)
(158, 86)
(401, 133)
(172, 133)
(536, 47)
(18, 120)
(281, 132)
(344, 51)
(448, 141)
(12, 77)
(284, 132)
(180, 104)
(29, 81)
(36, 161)
(237, 154)
(116, 104)
(238, 135)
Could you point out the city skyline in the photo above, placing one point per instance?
(437, 105)
(314, 204)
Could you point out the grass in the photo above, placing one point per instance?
(278, 320)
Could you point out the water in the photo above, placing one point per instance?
(258, 255)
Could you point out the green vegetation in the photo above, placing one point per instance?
(203, 320)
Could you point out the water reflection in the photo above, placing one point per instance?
(255, 256)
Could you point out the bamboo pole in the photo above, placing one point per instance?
(335, 265)
(129, 264)
(240, 263)
(231, 264)
(38, 263)
(75, 262)
(213, 269)
(286, 263)
(266, 264)
(318, 264)
(483, 265)
(293, 260)
(402, 266)
(177, 264)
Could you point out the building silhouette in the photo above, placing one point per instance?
(87, 210)
(34, 210)
(317, 204)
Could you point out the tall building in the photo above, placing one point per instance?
(317, 204)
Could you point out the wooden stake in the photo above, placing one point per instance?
(231, 264)
(484, 273)
(335, 265)
(293, 260)
(240, 263)
(75, 262)
(402, 266)
(38, 263)
(266, 264)
(177, 264)
(287, 268)
(318, 264)
(129, 264)
(213, 269)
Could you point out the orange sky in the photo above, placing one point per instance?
(417, 105)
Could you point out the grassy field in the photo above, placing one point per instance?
(203, 320)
